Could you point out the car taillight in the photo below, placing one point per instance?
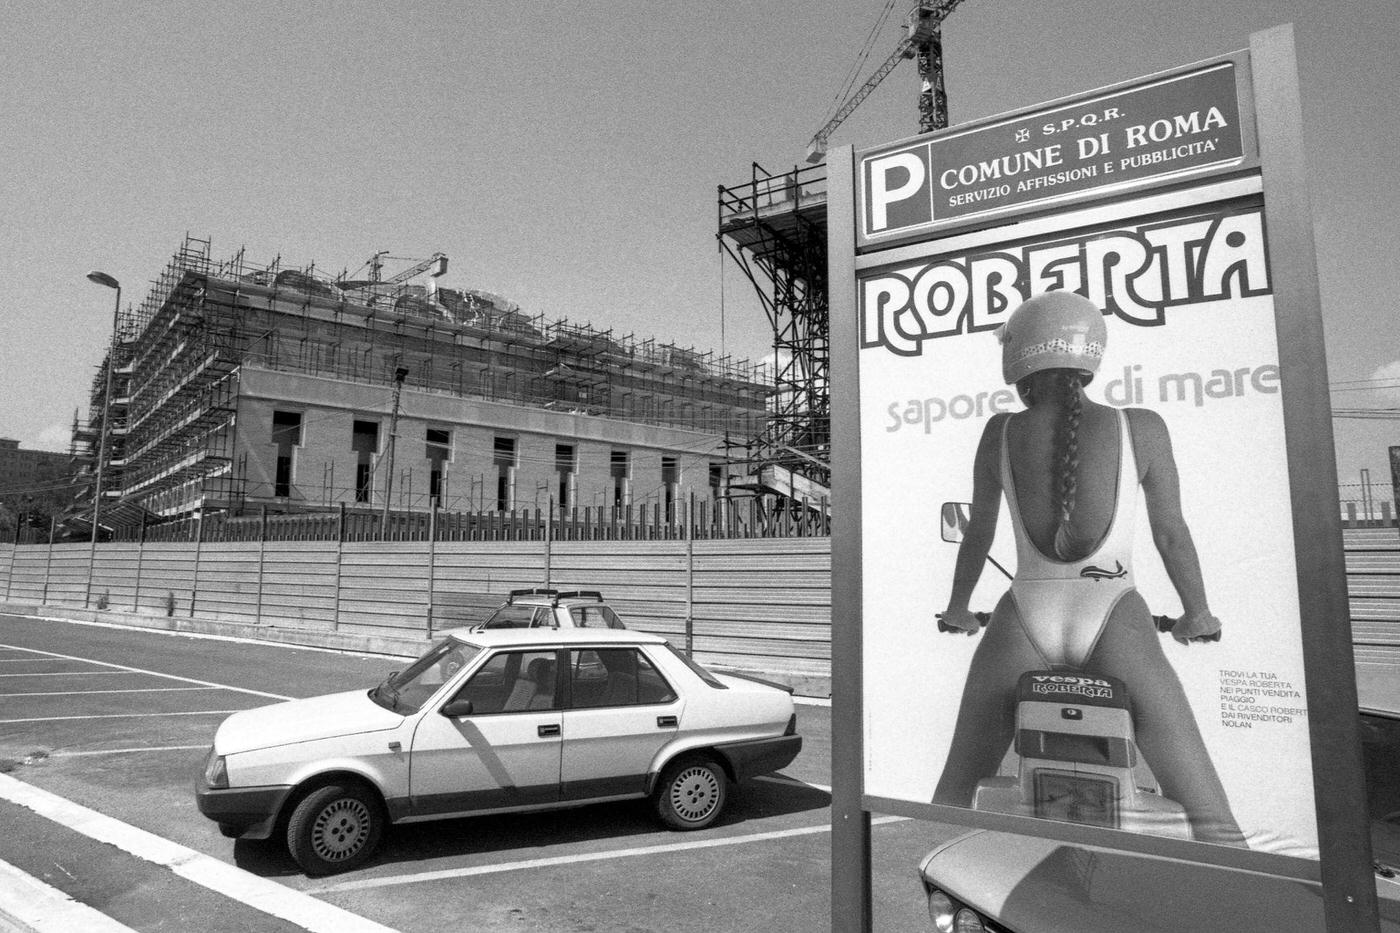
(791, 726)
(215, 771)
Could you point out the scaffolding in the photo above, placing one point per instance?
(774, 228)
(181, 352)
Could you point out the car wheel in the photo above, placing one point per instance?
(334, 828)
(691, 793)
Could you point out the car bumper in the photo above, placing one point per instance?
(760, 756)
(247, 812)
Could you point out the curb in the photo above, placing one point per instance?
(803, 685)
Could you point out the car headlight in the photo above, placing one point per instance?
(949, 916)
(215, 771)
(967, 921)
(942, 911)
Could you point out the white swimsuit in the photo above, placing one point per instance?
(1064, 605)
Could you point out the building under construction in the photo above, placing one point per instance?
(238, 386)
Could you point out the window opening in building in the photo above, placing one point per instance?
(670, 486)
(505, 473)
(619, 471)
(286, 434)
(716, 480)
(364, 441)
(566, 466)
(439, 451)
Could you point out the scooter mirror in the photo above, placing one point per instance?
(954, 520)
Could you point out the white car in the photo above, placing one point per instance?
(490, 722)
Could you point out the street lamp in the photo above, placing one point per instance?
(102, 278)
(400, 374)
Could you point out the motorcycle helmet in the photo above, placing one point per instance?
(1052, 330)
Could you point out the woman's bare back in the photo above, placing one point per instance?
(1034, 442)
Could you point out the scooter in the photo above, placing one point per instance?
(1075, 751)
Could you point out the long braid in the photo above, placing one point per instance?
(1068, 464)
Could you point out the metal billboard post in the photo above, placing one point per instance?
(1344, 838)
(851, 901)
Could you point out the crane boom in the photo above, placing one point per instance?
(921, 28)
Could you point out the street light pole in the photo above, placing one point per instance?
(103, 279)
(400, 374)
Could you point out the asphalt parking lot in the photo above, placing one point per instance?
(103, 731)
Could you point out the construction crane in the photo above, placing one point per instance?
(436, 262)
(923, 40)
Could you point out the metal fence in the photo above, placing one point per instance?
(743, 603)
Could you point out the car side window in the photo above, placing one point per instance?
(512, 682)
(511, 616)
(543, 618)
(601, 677)
(594, 617)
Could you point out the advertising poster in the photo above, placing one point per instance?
(1154, 486)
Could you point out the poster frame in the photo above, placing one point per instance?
(1344, 867)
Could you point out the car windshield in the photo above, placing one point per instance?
(407, 690)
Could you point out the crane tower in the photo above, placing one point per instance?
(774, 229)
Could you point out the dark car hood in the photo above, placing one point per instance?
(1033, 885)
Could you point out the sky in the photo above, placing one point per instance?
(567, 155)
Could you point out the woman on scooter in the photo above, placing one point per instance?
(1070, 469)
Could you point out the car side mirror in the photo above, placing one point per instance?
(454, 709)
(954, 517)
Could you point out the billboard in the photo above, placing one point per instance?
(1091, 578)
(1190, 358)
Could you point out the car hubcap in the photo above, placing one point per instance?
(340, 830)
(695, 793)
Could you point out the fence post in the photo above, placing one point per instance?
(339, 547)
(262, 561)
(140, 559)
(689, 585)
(549, 542)
(10, 571)
(48, 562)
(432, 561)
(198, 547)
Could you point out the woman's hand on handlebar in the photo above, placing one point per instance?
(1196, 626)
(962, 620)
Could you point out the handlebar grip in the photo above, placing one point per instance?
(1167, 623)
(982, 617)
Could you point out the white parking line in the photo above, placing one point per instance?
(138, 670)
(129, 751)
(78, 693)
(259, 893)
(70, 674)
(447, 873)
(198, 712)
(33, 905)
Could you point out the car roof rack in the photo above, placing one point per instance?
(533, 591)
(578, 594)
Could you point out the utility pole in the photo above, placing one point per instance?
(400, 375)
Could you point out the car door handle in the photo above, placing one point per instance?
(666, 722)
(546, 731)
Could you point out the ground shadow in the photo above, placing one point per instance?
(514, 832)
